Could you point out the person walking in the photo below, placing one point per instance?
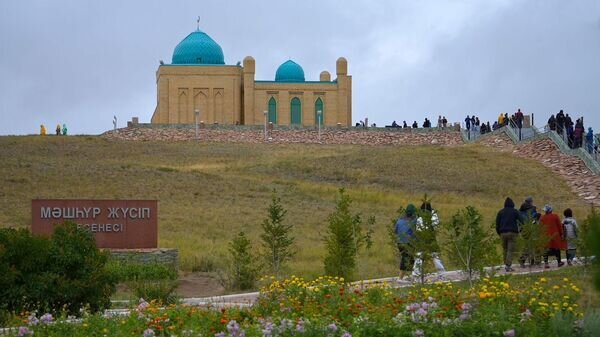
(423, 226)
(554, 230)
(529, 214)
(589, 140)
(64, 129)
(58, 129)
(404, 234)
(508, 221)
(571, 233)
(42, 130)
(560, 122)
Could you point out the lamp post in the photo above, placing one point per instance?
(265, 113)
(319, 123)
(197, 117)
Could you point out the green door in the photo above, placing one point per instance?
(319, 107)
(272, 111)
(296, 111)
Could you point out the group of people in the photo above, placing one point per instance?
(409, 227)
(574, 132)
(59, 130)
(473, 124)
(561, 234)
(442, 123)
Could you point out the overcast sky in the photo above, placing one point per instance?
(81, 62)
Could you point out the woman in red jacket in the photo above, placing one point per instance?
(554, 230)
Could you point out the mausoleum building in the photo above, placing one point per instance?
(199, 80)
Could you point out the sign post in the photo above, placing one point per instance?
(126, 224)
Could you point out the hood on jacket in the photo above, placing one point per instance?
(509, 203)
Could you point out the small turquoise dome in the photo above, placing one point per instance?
(198, 48)
(289, 71)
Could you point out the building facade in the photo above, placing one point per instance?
(198, 80)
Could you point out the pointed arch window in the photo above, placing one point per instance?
(296, 111)
(319, 107)
(273, 111)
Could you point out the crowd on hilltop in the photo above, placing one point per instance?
(561, 235)
(442, 123)
(574, 132)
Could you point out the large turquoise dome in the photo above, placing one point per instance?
(198, 48)
(289, 71)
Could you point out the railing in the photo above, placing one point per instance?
(588, 152)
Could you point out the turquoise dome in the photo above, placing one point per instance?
(198, 48)
(289, 71)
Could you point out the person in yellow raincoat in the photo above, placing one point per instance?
(501, 119)
(42, 130)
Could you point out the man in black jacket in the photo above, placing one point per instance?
(508, 221)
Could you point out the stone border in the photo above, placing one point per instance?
(166, 256)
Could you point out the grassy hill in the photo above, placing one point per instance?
(210, 191)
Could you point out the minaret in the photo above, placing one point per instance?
(344, 82)
(249, 116)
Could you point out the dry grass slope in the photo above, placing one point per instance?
(210, 191)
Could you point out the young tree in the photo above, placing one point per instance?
(277, 243)
(533, 241)
(242, 274)
(469, 243)
(344, 238)
(589, 243)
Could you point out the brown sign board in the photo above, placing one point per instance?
(123, 224)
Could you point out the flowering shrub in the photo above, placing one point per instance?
(330, 307)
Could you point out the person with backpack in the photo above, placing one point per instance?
(404, 234)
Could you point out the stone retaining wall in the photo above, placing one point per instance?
(166, 256)
(242, 134)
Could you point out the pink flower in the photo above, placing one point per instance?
(24, 331)
(509, 333)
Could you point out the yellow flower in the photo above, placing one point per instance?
(566, 279)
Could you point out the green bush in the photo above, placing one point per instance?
(592, 245)
(62, 273)
(162, 291)
(125, 271)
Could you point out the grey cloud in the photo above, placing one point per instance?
(83, 62)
